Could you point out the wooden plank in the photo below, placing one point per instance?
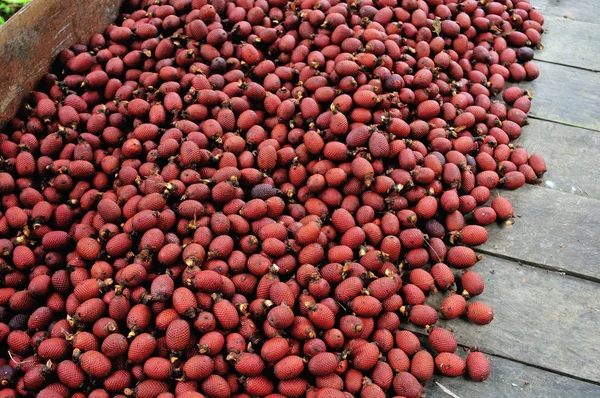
(542, 318)
(553, 229)
(580, 10)
(511, 379)
(33, 37)
(570, 42)
(566, 95)
(570, 153)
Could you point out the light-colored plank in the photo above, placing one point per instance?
(554, 229)
(542, 318)
(580, 10)
(565, 95)
(510, 379)
(570, 153)
(570, 42)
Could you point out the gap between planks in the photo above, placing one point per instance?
(545, 267)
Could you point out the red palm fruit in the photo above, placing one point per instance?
(412, 294)
(53, 349)
(148, 389)
(471, 235)
(90, 311)
(323, 364)
(406, 385)
(365, 357)
(141, 348)
(225, 313)
(363, 170)
(384, 288)
(289, 367)
(462, 257)
(365, 306)
(40, 318)
(274, 349)
(114, 346)
(513, 180)
(88, 248)
(162, 288)
(117, 381)
(411, 238)
(321, 316)
(70, 374)
(19, 342)
(23, 258)
(95, 364)
(422, 279)
(538, 164)
(184, 302)
(422, 366)
(398, 360)
(442, 275)
(472, 284)
(484, 216)
(158, 368)
(450, 364)
(198, 367)
(480, 313)
(351, 326)
(39, 286)
(426, 207)
(138, 318)
(178, 335)
(453, 306)
(16, 217)
(422, 315)
(503, 209)
(478, 366)
(382, 375)
(216, 386)
(211, 343)
(373, 260)
(246, 363)
(442, 340)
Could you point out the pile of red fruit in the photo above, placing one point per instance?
(252, 198)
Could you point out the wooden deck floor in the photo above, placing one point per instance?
(543, 273)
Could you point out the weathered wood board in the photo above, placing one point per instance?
(571, 156)
(33, 37)
(553, 229)
(565, 95)
(511, 379)
(542, 318)
(580, 10)
(570, 42)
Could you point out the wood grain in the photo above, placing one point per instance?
(570, 153)
(542, 318)
(35, 35)
(510, 379)
(565, 95)
(570, 42)
(553, 229)
(580, 10)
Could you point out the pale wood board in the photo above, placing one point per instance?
(510, 379)
(542, 318)
(580, 10)
(552, 229)
(571, 156)
(565, 95)
(570, 42)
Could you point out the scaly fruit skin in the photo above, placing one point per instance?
(450, 364)
(480, 313)
(478, 366)
(178, 193)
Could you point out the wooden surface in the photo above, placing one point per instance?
(542, 274)
(567, 171)
(36, 34)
